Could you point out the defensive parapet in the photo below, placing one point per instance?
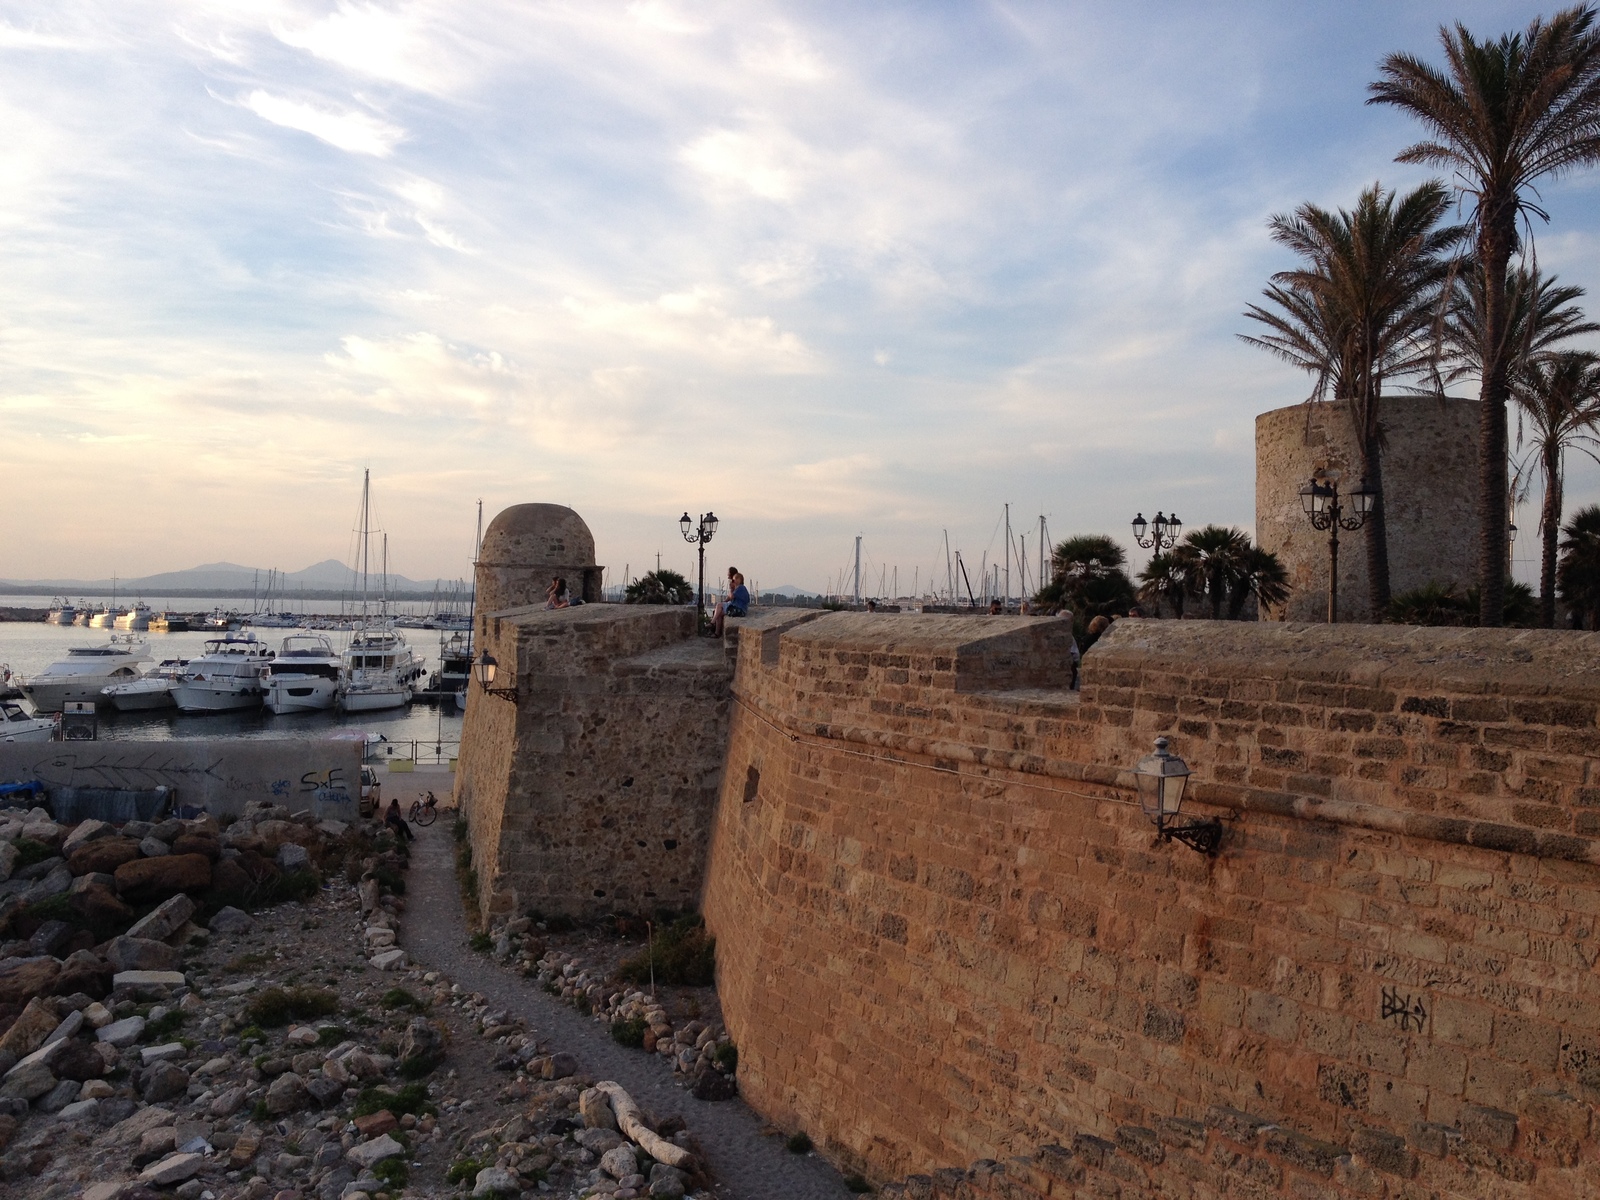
(947, 934)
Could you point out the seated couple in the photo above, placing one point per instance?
(736, 605)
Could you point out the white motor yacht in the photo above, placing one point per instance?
(305, 676)
(228, 676)
(381, 671)
(84, 672)
(136, 618)
(151, 690)
(18, 726)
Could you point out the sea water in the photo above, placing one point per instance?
(27, 648)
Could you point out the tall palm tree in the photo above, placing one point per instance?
(1578, 576)
(1503, 114)
(1262, 575)
(1560, 396)
(1215, 556)
(1355, 315)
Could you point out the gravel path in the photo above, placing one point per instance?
(746, 1165)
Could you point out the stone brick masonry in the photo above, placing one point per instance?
(947, 935)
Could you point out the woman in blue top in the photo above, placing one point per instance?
(736, 605)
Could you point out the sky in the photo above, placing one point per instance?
(828, 269)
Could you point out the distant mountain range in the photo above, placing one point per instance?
(328, 575)
(789, 589)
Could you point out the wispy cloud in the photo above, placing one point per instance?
(831, 270)
(345, 129)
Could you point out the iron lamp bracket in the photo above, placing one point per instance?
(1204, 836)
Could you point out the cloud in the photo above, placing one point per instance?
(348, 130)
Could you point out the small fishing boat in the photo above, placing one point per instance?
(136, 619)
(62, 612)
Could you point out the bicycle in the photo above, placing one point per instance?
(424, 811)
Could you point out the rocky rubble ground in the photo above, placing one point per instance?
(211, 1054)
(669, 1023)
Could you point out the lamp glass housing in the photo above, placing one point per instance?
(1174, 526)
(1139, 526)
(711, 525)
(1363, 500)
(1308, 499)
(485, 669)
(684, 523)
(1162, 778)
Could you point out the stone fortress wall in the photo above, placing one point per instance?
(949, 941)
(1430, 466)
(947, 934)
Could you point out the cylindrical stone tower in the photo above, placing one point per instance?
(527, 546)
(1430, 498)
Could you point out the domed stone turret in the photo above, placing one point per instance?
(527, 546)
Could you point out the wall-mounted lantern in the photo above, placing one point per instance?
(484, 670)
(1162, 778)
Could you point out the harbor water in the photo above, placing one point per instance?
(30, 647)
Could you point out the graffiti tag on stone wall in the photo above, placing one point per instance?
(1404, 1009)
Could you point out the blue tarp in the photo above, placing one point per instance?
(72, 804)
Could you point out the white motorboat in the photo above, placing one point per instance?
(305, 676)
(18, 726)
(461, 700)
(136, 619)
(228, 676)
(455, 664)
(151, 690)
(85, 672)
(106, 618)
(61, 612)
(381, 671)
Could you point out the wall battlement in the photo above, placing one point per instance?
(947, 934)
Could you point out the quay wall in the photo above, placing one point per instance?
(948, 938)
(220, 775)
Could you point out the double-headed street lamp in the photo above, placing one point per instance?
(699, 536)
(1163, 530)
(1320, 499)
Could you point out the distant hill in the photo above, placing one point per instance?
(328, 575)
(789, 589)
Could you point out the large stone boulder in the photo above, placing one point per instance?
(21, 979)
(80, 1061)
(100, 906)
(163, 1081)
(86, 972)
(104, 855)
(28, 1032)
(142, 954)
(155, 878)
(164, 920)
(229, 919)
(198, 843)
(230, 879)
(84, 832)
(287, 1094)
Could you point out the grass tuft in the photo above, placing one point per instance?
(412, 1098)
(683, 953)
(278, 1006)
(398, 997)
(629, 1033)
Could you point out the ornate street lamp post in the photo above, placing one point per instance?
(1163, 530)
(698, 536)
(1321, 501)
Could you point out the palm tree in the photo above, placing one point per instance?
(1540, 314)
(1262, 575)
(1503, 114)
(1089, 578)
(1355, 314)
(665, 586)
(1215, 555)
(1578, 576)
(1560, 396)
(1165, 577)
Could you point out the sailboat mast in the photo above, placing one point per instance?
(1006, 603)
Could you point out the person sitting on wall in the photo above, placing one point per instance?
(994, 608)
(395, 821)
(736, 605)
(1077, 656)
(555, 596)
(1096, 627)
